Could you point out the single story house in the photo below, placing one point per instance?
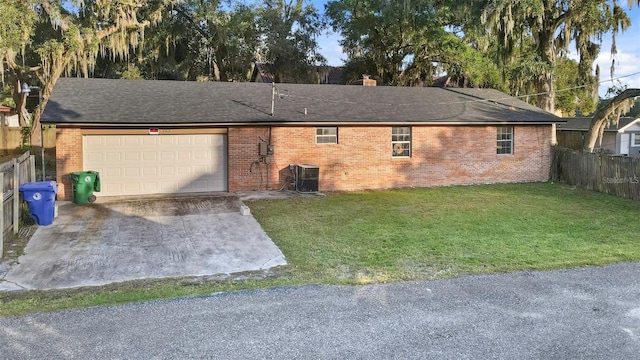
(622, 138)
(148, 137)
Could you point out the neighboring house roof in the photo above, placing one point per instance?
(153, 102)
(632, 125)
(441, 81)
(330, 74)
(261, 74)
(4, 109)
(583, 124)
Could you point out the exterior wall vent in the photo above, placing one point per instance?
(307, 178)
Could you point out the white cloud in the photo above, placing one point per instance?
(330, 48)
(626, 64)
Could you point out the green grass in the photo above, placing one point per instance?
(409, 234)
(413, 234)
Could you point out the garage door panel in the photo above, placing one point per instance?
(201, 156)
(130, 172)
(154, 188)
(184, 171)
(149, 156)
(132, 188)
(112, 157)
(149, 172)
(167, 171)
(110, 172)
(129, 156)
(166, 140)
(203, 141)
(94, 140)
(96, 158)
(112, 141)
(150, 164)
(148, 140)
(167, 156)
(183, 156)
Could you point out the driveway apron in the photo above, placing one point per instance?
(155, 237)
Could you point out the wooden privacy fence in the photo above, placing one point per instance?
(11, 138)
(615, 175)
(13, 174)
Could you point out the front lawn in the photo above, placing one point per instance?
(409, 234)
(413, 234)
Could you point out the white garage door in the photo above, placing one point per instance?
(157, 164)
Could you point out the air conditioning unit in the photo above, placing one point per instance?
(307, 178)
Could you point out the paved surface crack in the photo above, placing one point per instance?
(266, 262)
(14, 283)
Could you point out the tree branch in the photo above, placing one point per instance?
(598, 121)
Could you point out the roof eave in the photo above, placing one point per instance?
(303, 123)
(624, 128)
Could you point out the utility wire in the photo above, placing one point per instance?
(287, 95)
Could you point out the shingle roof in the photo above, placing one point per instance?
(583, 124)
(129, 102)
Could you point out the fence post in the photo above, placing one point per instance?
(32, 164)
(16, 196)
(2, 215)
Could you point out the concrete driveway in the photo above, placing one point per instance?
(120, 239)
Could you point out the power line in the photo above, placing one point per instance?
(287, 95)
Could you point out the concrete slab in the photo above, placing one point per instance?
(123, 239)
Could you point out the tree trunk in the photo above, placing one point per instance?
(546, 93)
(18, 96)
(545, 85)
(601, 115)
(36, 130)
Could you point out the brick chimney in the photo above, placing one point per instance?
(366, 81)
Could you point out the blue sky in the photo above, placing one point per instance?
(627, 59)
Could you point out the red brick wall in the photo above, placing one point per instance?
(243, 173)
(68, 159)
(441, 155)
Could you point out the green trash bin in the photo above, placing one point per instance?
(84, 183)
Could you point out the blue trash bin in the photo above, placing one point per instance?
(41, 198)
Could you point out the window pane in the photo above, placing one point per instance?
(326, 131)
(401, 141)
(504, 137)
(401, 138)
(327, 135)
(401, 149)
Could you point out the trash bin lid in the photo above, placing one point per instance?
(40, 186)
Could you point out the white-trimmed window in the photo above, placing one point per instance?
(504, 140)
(635, 139)
(327, 135)
(401, 141)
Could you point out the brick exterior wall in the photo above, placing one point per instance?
(245, 171)
(441, 155)
(68, 159)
